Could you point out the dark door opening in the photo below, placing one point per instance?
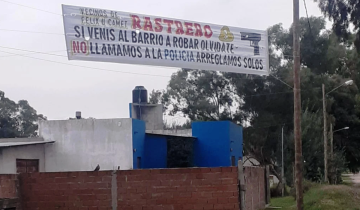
(138, 164)
(233, 161)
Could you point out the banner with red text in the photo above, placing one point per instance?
(121, 37)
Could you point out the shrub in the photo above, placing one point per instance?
(275, 192)
(306, 187)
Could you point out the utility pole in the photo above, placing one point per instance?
(325, 136)
(282, 161)
(331, 143)
(297, 109)
(332, 169)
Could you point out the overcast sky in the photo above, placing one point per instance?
(58, 90)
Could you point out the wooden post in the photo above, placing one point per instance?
(297, 109)
(267, 183)
(325, 136)
(242, 189)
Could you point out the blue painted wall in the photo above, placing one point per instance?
(236, 142)
(217, 142)
(155, 152)
(138, 129)
(130, 110)
(211, 149)
(214, 141)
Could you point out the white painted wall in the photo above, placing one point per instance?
(8, 156)
(82, 144)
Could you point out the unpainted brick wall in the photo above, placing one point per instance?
(197, 188)
(255, 188)
(66, 190)
(172, 189)
(158, 189)
(8, 186)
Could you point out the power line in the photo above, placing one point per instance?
(35, 32)
(265, 94)
(46, 53)
(307, 15)
(95, 68)
(9, 2)
(6, 56)
(34, 52)
(281, 81)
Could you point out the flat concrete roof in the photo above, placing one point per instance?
(172, 135)
(13, 142)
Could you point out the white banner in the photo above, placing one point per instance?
(121, 37)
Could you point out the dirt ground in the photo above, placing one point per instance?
(355, 178)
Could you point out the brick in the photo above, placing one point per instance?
(234, 199)
(208, 206)
(219, 206)
(223, 200)
(228, 181)
(200, 176)
(198, 207)
(202, 194)
(188, 207)
(223, 194)
(161, 201)
(215, 169)
(212, 201)
(182, 195)
(226, 169)
(231, 206)
(205, 170)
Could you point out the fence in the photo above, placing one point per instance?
(159, 189)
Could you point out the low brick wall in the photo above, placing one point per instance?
(8, 186)
(158, 189)
(66, 190)
(200, 188)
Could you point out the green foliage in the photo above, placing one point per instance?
(321, 197)
(199, 95)
(307, 185)
(343, 14)
(176, 126)
(155, 97)
(265, 105)
(17, 119)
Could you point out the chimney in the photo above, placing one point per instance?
(78, 115)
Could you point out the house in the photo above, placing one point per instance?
(119, 143)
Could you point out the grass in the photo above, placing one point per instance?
(327, 197)
(346, 179)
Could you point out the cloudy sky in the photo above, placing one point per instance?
(57, 90)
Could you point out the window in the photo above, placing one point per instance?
(138, 163)
(27, 165)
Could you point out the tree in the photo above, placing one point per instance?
(265, 105)
(199, 95)
(343, 13)
(17, 119)
(155, 97)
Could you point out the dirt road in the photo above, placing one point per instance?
(355, 178)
